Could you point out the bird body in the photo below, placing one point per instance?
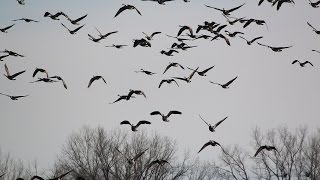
(142, 42)
(26, 20)
(169, 53)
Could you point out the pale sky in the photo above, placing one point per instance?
(269, 91)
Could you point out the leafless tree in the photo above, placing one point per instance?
(11, 168)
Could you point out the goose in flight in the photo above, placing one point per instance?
(76, 21)
(311, 50)
(187, 79)
(169, 81)
(302, 64)
(94, 78)
(275, 49)
(60, 79)
(226, 85)
(183, 28)
(268, 148)
(55, 16)
(135, 127)
(72, 31)
(233, 34)
(182, 46)
(151, 36)
(203, 73)
(146, 72)
(13, 76)
(249, 42)
(13, 97)
(314, 29)
(4, 56)
(162, 2)
(165, 117)
(169, 53)
(173, 64)
(46, 80)
(161, 162)
(211, 143)
(54, 178)
(125, 7)
(122, 97)
(25, 20)
(142, 42)
(118, 46)
(213, 127)
(12, 53)
(280, 2)
(40, 70)
(314, 4)
(228, 11)
(21, 2)
(4, 30)
(134, 159)
(137, 92)
(103, 36)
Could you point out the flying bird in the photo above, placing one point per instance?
(183, 28)
(40, 70)
(21, 2)
(76, 21)
(138, 92)
(12, 53)
(135, 127)
(187, 79)
(211, 143)
(94, 78)
(26, 20)
(268, 148)
(54, 178)
(302, 64)
(173, 64)
(224, 11)
(169, 81)
(280, 2)
(122, 97)
(182, 46)
(161, 162)
(275, 49)
(4, 56)
(60, 79)
(4, 30)
(142, 42)
(151, 36)
(233, 34)
(13, 76)
(165, 117)
(213, 127)
(203, 73)
(134, 159)
(118, 46)
(72, 31)
(169, 53)
(312, 50)
(314, 29)
(249, 42)
(226, 85)
(46, 80)
(314, 4)
(127, 7)
(146, 72)
(55, 16)
(13, 97)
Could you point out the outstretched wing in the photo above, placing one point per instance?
(168, 67)
(233, 9)
(155, 113)
(103, 80)
(61, 176)
(79, 19)
(17, 74)
(311, 26)
(217, 124)
(174, 112)
(142, 122)
(125, 122)
(7, 70)
(214, 8)
(254, 39)
(154, 34)
(8, 27)
(77, 29)
(204, 120)
(140, 154)
(204, 146)
(65, 27)
(120, 10)
(206, 70)
(293, 62)
(138, 11)
(37, 177)
(260, 149)
(228, 83)
(91, 80)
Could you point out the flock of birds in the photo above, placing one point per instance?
(184, 34)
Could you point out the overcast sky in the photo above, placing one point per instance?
(268, 93)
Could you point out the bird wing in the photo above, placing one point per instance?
(180, 78)
(311, 26)
(220, 28)
(64, 83)
(138, 11)
(17, 74)
(162, 81)
(181, 30)
(106, 35)
(309, 63)
(214, 8)
(260, 2)
(125, 122)
(285, 47)
(193, 72)
(65, 27)
(61, 176)
(168, 67)
(103, 80)
(80, 18)
(77, 29)
(206, 70)
(233, 9)
(154, 34)
(142, 122)
(7, 69)
(260, 149)
(248, 22)
(228, 83)
(243, 38)
(217, 124)
(140, 154)
(254, 39)
(120, 10)
(173, 112)
(155, 113)
(36, 177)
(204, 120)
(293, 62)
(20, 96)
(175, 82)
(8, 27)
(91, 80)
(204, 146)
(5, 94)
(263, 45)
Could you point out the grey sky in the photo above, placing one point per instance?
(269, 91)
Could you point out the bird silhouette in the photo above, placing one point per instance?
(54, 178)
(169, 81)
(127, 7)
(302, 64)
(213, 127)
(46, 80)
(21, 2)
(187, 79)
(314, 4)
(233, 34)
(173, 64)
(94, 39)
(162, 2)
(314, 29)
(211, 143)
(228, 11)
(13, 76)
(4, 30)
(135, 127)
(40, 70)
(4, 56)
(122, 97)
(183, 28)
(12, 53)
(60, 79)
(151, 36)
(13, 97)
(280, 2)
(131, 161)
(182, 46)
(169, 53)
(145, 72)
(55, 16)
(165, 117)
(138, 92)
(72, 31)
(249, 42)
(2, 175)
(161, 162)
(141, 42)
(275, 49)
(268, 148)
(76, 21)
(118, 46)
(202, 73)
(25, 20)
(226, 85)
(94, 78)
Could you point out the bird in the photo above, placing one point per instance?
(203, 73)
(21, 2)
(275, 49)
(142, 42)
(4, 30)
(221, 36)
(125, 7)
(210, 142)
(261, 1)
(103, 36)
(13, 97)
(169, 53)
(75, 22)
(4, 56)
(173, 64)
(228, 11)
(280, 2)
(122, 97)
(302, 64)
(251, 41)
(47, 80)
(55, 16)
(161, 162)
(13, 76)
(54, 178)
(12, 53)
(94, 39)
(72, 31)
(182, 46)
(162, 2)
(312, 50)
(135, 127)
(26, 20)
(314, 29)
(60, 79)
(165, 117)
(268, 148)
(40, 70)
(138, 92)
(169, 81)
(146, 72)
(182, 28)
(151, 36)
(131, 161)
(233, 34)
(96, 78)
(187, 79)
(118, 46)
(314, 4)
(226, 85)
(213, 127)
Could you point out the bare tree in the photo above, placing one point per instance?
(11, 168)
